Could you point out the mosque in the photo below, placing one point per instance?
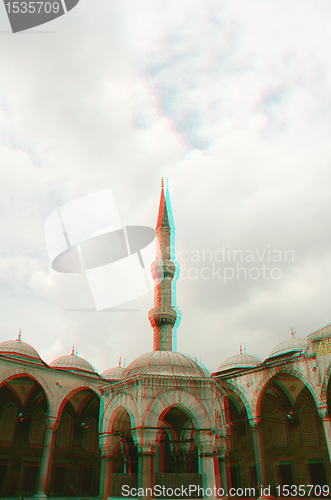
(164, 426)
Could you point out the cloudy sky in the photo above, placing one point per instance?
(230, 100)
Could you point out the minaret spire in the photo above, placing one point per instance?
(163, 316)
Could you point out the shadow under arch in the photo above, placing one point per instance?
(177, 451)
(241, 395)
(19, 373)
(290, 428)
(69, 392)
(120, 401)
(273, 373)
(24, 408)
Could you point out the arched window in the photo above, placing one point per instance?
(308, 424)
(37, 430)
(90, 434)
(65, 431)
(8, 424)
(279, 428)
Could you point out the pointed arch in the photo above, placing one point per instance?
(8, 424)
(308, 424)
(23, 372)
(199, 412)
(68, 392)
(256, 401)
(37, 428)
(123, 401)
(242, 394)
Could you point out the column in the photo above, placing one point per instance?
(222, 469)
(46, 461)
(108, 466)
(146, 441)
(208, 454)
(259, 452)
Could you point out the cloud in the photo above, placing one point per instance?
(231, 101)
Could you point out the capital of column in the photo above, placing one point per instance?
(51, 423)
(146, 440)
(324, 412)
(255, 423)
(108, 444)
(206, 440)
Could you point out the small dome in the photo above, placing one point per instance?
(239, 361)
(113, 373)
(294, 344)
(19, 349)
(165, 363)
(72, 363)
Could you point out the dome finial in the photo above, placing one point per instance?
(293, 332)
(19, 338)
(240, 349)
(73, 350)
(120, 362)
(244, 349)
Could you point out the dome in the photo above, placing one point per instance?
(72, 363)
(113, 373)
(295, 344)
(239, 361)
(165, 363)
(19, 349)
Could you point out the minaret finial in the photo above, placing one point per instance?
(240, 349)
(73, 350)
(20, 335)
(162, 182)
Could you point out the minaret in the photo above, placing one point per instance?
(163, 316)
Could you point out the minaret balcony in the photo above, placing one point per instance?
(163, 269)
(162, 316)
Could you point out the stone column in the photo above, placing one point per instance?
(46, 461)
(222, 469)
(208, 453)
(108, 466)
(146, 441)
(259, 452)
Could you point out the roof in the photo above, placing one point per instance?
(21, 350)
(165, 363)
(73, 363)
(294, 344)
(239, 361)
(113, 373)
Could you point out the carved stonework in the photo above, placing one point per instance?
(323, 412)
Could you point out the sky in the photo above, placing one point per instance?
(228, 99)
